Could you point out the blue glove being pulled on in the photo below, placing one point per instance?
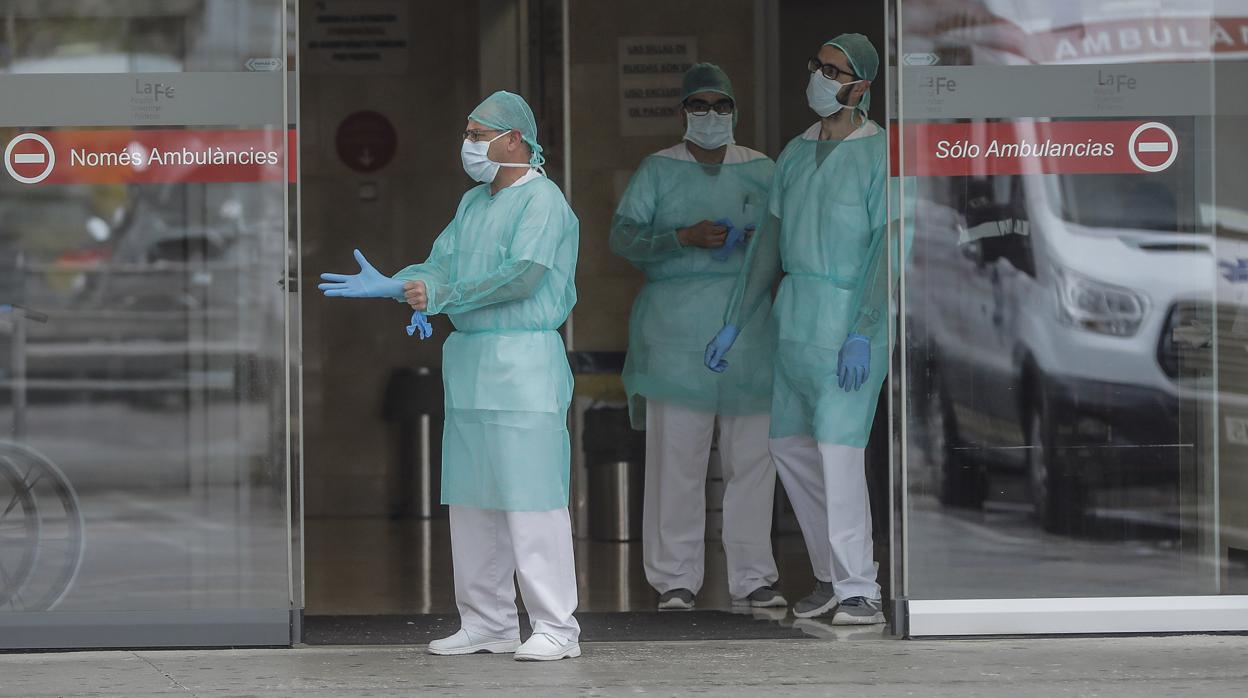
(854, 362)
(718, 348)
(368, 283)
(736, 236)
(420, 323)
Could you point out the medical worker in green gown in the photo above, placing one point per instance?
(503, 271)
(824, 238)
(683, 222)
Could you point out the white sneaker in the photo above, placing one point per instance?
(464, 642)
(542, 647)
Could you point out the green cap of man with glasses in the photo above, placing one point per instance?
(683, 221)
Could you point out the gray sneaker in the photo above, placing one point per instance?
(763, 597)
(859, 610)
(676, 599)
(821, 600)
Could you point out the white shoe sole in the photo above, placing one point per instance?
(772, 614)
(831, 604)
(846, 619)
(778, 602)
(571, 653)
(493, 647)
(675, 605)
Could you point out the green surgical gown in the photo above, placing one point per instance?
(686, 290)
(827, 232)
(504, 272)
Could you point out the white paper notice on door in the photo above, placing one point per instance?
(651, 69)
(368, 37)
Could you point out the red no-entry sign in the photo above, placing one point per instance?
(1036, 147)
(1153, 147)
(98, 156)
(29, 158)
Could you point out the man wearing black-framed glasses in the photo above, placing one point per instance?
(824, 236)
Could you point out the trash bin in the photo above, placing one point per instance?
(615, 459)
(413, 404)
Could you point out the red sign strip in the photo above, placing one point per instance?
(109, 156)
(1034, 147)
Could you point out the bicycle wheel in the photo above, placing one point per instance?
(19, 531)
(61, 538)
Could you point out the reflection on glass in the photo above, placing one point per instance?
(153, 384)
(134, 36)
(1074, 356)
(143, 428)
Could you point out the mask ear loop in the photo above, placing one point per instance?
(857, 109)
(536, 160)
(508, 164)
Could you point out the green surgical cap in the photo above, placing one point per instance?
(706, 77)
(863, 58)
(509, 112)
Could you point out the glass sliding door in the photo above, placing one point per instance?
(144, 438)
(1073, 378)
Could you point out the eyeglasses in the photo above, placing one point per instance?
(699, 107)
(829, 71)
(474, 135)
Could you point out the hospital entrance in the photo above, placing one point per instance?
(380, 128)
(1020, 452)
(199, 448)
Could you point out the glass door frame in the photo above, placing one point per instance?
(917, 618)
(212, 626)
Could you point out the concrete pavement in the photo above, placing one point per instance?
(1195, 665)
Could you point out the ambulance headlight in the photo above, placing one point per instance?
(1099, 307)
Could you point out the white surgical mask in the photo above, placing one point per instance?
(710, 130)
(821, 94)
(477, 162)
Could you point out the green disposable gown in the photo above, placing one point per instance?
(686, 289)
(504, 272)
(827, 231)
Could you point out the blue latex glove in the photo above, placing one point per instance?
(736, 236)
(718, 348)
(369, 283)
(854, 362)
(420, 323)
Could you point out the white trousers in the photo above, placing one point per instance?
(827, 486)
(678, 447)
(489, 547)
